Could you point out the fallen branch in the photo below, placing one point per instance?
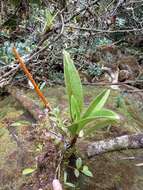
(27, 103)
(118, 143)
(117, 83)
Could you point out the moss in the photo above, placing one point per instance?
(109, 170)
(7, 146)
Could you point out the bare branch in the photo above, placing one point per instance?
(118, 143)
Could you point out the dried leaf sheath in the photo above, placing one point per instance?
(28, 74)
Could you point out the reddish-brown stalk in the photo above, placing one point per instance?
(28, 74)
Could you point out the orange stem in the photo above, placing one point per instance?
(28, 74)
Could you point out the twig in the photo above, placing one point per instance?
(109, 83)
(81, 10)
(104, 31)
(10, 72)
(134, 91)
(130, 2)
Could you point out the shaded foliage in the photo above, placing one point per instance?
(77, 26)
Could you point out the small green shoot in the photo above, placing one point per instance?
(20, 123)
(39, 147)
(49, 20)
(82, 169)
(86, 171)
(78, 163)
(76, 172)
(42, 85)
(28, 171)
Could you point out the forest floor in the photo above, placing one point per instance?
(111, 171)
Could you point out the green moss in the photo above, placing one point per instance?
(109, 171)
(7, 146)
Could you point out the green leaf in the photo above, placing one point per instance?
(65, 180)
(16, 124)
(76, 172)
(65, 176)
(42, 85)
(2, 131)
(75, 112)
(70, 184)
(28, 171)
(103, 113)
(97, 103)
(72, 81)
(78, 163)
(86, 171)
(49, 20)
(20, 123)
(39, 147)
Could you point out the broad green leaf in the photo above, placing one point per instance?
(28, 171)
(76, 172)
(78, 163)
(97, 103)
(72, 81)
(103, 113)
(75, 112)
(86, 171)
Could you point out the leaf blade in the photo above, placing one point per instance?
(28, 171)
(78, 163)
(76, 127)
(97, 103)
(76, 172)
(72, 81)
(75, 112)
(86, 171)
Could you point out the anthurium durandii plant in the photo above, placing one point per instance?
(95, 110)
